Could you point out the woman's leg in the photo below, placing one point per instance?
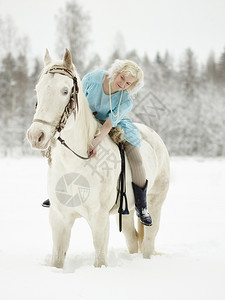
(136, 164)
(139, 183)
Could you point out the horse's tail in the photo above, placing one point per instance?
(140, 234)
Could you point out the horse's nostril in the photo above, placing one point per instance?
(41, 137)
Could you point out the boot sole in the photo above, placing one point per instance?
(146, 224)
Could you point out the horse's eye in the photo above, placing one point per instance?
(64, 91)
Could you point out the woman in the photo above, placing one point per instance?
(109, 96)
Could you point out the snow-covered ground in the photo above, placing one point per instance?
(191, 236)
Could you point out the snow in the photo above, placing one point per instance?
(191, 238)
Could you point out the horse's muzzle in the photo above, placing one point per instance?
(38, 138)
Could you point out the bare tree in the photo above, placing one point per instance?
(8, 37)
(72, 33)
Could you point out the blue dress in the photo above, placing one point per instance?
(100, 104)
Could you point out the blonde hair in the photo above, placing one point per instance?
(127, 67)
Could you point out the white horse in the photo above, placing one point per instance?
(88, 188)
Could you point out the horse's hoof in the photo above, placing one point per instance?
(58, 265)
(100, 264)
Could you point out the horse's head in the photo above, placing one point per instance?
(53, 96)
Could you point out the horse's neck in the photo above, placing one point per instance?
(82, 128)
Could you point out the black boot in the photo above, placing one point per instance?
(46, 203)
(140, 204)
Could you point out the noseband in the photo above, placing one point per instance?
(71, 106)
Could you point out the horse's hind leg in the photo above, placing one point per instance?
(130, 233)
(61, 230)
(100, 231)
(155, 202)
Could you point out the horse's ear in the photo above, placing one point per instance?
(47, 59)
(67, 60)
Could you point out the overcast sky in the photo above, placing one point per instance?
(147, 25)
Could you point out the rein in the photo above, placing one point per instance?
(71, 106)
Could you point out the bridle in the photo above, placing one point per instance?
(70, 108)
(71, 105)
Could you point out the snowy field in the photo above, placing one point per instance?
(191, 238)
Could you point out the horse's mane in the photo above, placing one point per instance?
(86, 116)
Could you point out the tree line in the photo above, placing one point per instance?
(184, 103)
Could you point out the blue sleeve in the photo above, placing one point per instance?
(125, 107)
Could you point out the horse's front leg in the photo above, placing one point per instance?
(100, 231)
(61, 231)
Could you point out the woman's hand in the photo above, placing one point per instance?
(92, 150)
(106, 127)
